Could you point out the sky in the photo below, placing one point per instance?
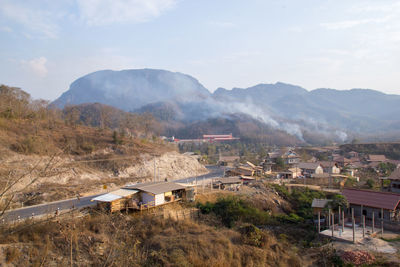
(45, 45)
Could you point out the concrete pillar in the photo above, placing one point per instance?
(363, 223)
(361, 209)
(343, 221)
(333, 223)
(329, 218)
(319, 221)
(373, 222)
(381, 222)
(354, 230)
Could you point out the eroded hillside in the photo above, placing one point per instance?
(48, 154)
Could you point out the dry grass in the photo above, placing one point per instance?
(39, 137)
(213, 196)
(119, 240)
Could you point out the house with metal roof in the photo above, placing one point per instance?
(153, 194)
(228, 182)
(309, 168)
(330, 167)
(373, 203)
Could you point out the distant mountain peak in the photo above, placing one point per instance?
(132, 89)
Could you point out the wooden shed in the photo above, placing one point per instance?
(115, 200)
(153, 194)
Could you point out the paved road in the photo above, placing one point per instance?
(48, 208)
(63, 205)
(214, 171)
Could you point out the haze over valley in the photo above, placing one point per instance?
(311, 116)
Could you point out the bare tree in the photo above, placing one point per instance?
(9, 187)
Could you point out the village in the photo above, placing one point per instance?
(349, 200)
(365, 215)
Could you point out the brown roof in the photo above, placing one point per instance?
(156, 187)
(342, 159)
(308, 165)
(395, 174)
(326, 164)
(376, 158)
(374, 199)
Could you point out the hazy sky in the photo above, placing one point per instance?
(46, 44)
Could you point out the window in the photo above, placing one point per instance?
(364, 212)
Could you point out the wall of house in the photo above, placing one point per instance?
(147, 198)
(159, 199)
(395, 186)
(333, 170)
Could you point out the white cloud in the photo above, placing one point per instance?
(30, 18)
(37, 66)
(104, 12)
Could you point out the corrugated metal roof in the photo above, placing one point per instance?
(320, 203)
(124, 192)
(382, 200)
(156, 187)
(106, 198)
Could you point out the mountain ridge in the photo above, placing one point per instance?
(283, 106)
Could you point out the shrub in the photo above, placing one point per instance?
(252, 236)
(232, 209)
(370, 183)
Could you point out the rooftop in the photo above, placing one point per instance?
(320, 203)
(376, 158)
(114, 195)
(308, 165)
(156, 187)
(395, 174)
(327, 164)
(374, 199)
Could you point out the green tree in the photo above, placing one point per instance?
(370, 183)
(338, 201)
(280, 163)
